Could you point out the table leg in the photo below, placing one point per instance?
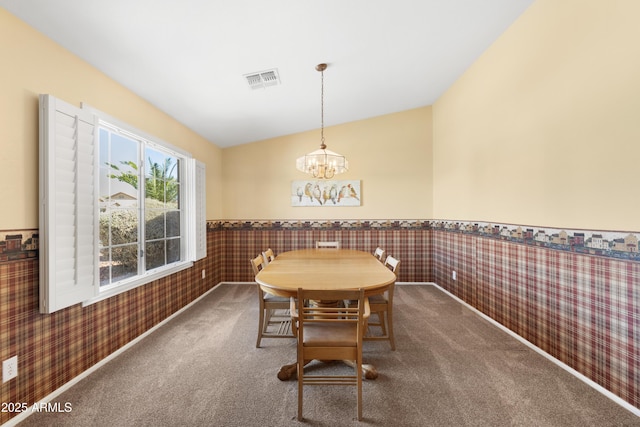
(370, 372)
(288, 371)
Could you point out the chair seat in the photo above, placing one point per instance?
(336, 335)
(274, 298)
(377, 299)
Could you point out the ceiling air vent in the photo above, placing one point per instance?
(263, 79)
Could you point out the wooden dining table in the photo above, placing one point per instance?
(324, 269)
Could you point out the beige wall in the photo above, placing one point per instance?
(544, 129)
(32, 64)
(391, 155)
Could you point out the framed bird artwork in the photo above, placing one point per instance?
(325, 193)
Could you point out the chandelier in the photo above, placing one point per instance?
(322, 163)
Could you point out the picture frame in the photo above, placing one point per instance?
(326, 193)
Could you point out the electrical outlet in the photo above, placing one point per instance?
(454, 275)
(204, 273)
(9, 369)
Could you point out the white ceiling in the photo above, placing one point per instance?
(188, 57)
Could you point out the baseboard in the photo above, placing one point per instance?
(397, 283)
(589, 382)
(23, 415)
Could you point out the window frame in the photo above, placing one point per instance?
(80, 233)
(145, 142)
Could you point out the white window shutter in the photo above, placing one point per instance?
(201, 210)
(68, 205)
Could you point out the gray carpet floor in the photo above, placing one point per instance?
(451, 368)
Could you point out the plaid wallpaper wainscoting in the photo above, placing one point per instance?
(584, 310)
(405, 240)
(53, 349)
(574, 294)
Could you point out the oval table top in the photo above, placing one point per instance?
(321, 269)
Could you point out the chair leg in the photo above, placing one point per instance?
(359, 386)
(383, 322)
(300, 388)
(392, 339)
(261, 325)
(267, 319)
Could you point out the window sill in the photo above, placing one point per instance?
(110, 292)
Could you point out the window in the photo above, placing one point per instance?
(118, 208)
(141, 225)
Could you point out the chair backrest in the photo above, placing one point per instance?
(257, 264)
(335, 245)
(313, 314)
(268, 256)
(379, 253)
(393, 264)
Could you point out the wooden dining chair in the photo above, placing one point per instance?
(382, 305)
(330, 333)
(268, 256)
(334, 245)
(271, 325)
(379, 253)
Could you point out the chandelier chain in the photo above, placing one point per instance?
(322, 144)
